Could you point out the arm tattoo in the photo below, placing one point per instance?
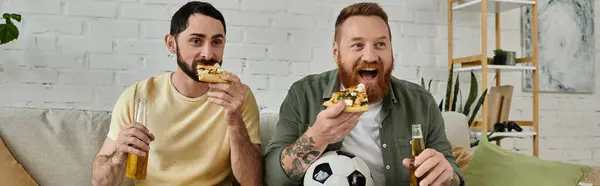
(296, 172)
(303, 153)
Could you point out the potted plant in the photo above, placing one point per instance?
(459, 115)
(8, 30)
(499, 57)
(460, 108)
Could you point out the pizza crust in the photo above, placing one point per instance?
(364, 108)
(210, 78)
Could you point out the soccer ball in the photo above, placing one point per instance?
(340, 169)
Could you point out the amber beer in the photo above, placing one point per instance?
(418, 145)
(136, 165)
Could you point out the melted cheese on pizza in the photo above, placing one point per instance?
(355, 96)
(214, 70)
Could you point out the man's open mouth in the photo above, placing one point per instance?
(368, 74)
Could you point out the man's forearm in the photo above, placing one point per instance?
(297, 157)
(106, 170)
(246, 160)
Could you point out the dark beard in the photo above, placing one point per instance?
(375, 92)
(190, 70)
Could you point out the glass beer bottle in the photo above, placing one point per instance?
(418, 145)
(137, 165)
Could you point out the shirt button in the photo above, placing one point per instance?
(387, 167)
(384, 145)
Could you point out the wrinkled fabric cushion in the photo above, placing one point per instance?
(268, 123)
(11, 171)
(55, 146)
(493, 166)
(457, 129)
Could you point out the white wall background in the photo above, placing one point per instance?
(80, 54)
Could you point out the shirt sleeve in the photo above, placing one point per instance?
(285, 134)
(437, 138)
(250, 116)
(122, 112)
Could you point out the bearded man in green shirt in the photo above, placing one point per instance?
(381, 136)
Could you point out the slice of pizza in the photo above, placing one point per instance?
(354, 97)
(211, 74)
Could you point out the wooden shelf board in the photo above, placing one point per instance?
(477, 124)
(467, 59)
(524, 60)
(512, 134)
(493, 6)
(495, 67)
(475, 60)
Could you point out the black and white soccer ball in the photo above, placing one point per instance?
(340, 169)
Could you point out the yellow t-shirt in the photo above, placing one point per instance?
(192, 139)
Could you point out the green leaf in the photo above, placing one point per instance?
(2, 31)
(477, 106)
(448, 89)
(472, 94)
(8, 33)
(7, 19)
(429, 86)
(456, 88)
(460, 107)
(16, 17)
(491, 133)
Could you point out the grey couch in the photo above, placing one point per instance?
(57, 146)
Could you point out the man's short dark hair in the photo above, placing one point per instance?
(179, 21)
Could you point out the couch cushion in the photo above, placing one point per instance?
(55, 146)
(58, 146)
(494, 166)
(457, 129)
(268, 123)
(11, 171)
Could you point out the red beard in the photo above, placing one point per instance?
(376, 91)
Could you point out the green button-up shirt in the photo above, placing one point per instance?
(405, 104)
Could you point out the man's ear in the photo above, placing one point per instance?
(335, 51)
(170, 42)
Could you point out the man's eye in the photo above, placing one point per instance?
(380, 44)
(196, 41)
(217, 42)
(359, 45)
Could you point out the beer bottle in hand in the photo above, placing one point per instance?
(137, 165)
(418, 145)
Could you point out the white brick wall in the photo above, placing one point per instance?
(114, 28)
(262, 5)
(92, 9)
(57, 24)
(82, 54)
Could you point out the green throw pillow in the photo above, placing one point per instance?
(493, 166)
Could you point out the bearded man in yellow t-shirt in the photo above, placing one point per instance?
(195, 133)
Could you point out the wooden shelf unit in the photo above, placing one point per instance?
(478, 124)
(493, 6)
(483, 63)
